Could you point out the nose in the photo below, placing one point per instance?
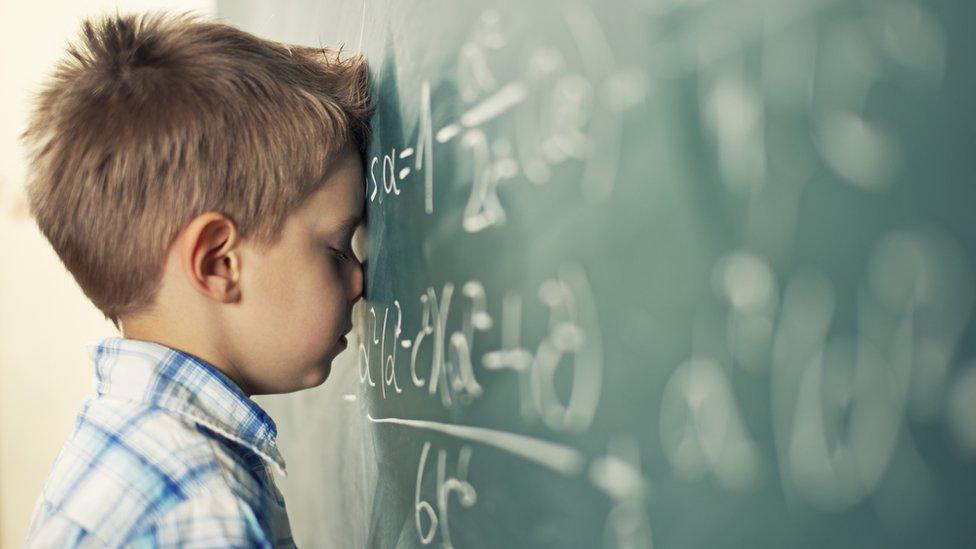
(356, 287)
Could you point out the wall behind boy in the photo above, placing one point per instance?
(45, 320)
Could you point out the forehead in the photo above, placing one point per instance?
(341, 197)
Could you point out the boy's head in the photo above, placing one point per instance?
(202, 185)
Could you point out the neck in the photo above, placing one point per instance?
(199, 343)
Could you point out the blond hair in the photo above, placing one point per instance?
(154, 119)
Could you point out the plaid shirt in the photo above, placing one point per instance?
(167, 452)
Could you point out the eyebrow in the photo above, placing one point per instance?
(349, 224)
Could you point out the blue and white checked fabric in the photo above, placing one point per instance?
(167, 452)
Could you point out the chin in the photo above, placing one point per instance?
(321, 373)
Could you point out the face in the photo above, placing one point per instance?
(297, 296)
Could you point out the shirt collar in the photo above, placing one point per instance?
(186, 385)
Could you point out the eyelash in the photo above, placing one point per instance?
(343, 256)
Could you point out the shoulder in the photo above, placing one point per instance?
(129, 471)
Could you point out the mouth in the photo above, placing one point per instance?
(342, 339)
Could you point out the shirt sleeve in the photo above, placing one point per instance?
(203, 522)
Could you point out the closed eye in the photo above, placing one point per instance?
(341, 255)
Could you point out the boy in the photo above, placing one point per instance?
(202, 185)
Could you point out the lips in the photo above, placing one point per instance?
(342, 338)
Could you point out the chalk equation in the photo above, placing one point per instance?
(557, 115)
(392, 362)
(553, 113)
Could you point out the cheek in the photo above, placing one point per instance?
(310, 301)
(291, 315)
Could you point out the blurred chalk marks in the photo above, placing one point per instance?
(618, 474)
(746, 281)
(733, 112)
(841, 401)
(815, 71)
(840, 398)
(702, 430)
(959, 410)
(921, 279)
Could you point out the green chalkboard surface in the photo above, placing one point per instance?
(681, 273)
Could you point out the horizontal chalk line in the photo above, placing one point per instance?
(558, 457)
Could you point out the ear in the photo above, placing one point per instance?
(210, 256)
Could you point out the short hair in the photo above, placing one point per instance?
(152, 119)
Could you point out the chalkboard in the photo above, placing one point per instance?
(653, 272)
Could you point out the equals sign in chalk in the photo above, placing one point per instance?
(405, 153)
